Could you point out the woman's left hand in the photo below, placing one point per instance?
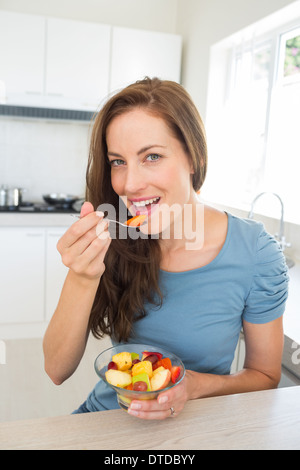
(168, 404)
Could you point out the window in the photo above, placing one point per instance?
(253, 120)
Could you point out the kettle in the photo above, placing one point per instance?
(10, 197)
(3, 196)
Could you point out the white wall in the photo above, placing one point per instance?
(202, 23)
(155, 15)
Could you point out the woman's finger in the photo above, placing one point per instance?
(150, 415)
(81, 245)
(168, 404)
(86, 208)
(96, 249)
(79, 229)
(96, 266)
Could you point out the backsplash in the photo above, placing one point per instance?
(43, 156)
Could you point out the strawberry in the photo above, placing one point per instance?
(175, 373)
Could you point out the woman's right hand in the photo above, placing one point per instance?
(84, 245)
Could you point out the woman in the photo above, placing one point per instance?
(190, 294)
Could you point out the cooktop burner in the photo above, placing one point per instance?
(30, 207)
(52, 208)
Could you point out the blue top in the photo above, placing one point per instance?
(203, 309)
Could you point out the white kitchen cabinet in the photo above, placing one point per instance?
(52, 62)
(22, 253)
(140, 53)
(67, 64)
(22, 48)
(77, 63)
(56, 271)
(31, 275)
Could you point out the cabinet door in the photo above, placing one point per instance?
(56, 271)
(22, 254)
(22, 48)
(77, 62)
(138, 53)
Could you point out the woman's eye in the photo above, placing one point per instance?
(153, 157)
(116, 162)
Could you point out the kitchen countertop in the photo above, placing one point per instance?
(36, 219)
(267, 419)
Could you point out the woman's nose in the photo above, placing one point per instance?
(134, 180)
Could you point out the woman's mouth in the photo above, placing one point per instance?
(144, 206)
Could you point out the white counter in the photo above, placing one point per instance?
(35, 219)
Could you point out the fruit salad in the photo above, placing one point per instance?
(148, 373)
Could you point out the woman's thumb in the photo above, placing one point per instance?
(87, 208)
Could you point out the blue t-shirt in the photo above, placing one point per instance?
(202, 312)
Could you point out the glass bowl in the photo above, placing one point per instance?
(125, 396)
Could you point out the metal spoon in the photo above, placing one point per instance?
(116, 222)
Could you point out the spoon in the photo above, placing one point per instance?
(133, 222)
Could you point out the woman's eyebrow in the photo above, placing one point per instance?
(113, 154)
(144, 149)
(148, 147)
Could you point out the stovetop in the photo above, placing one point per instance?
(39, 207)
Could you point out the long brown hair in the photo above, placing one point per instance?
(131, 274)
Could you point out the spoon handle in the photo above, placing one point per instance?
(115, 221)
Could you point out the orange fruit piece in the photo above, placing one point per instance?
(136, 221)
(165, 362)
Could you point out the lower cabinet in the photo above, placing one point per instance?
(22, 275)
(55, 273)
(31, 274)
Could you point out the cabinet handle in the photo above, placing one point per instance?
(34, 234)
(54, 94)
(33, 92)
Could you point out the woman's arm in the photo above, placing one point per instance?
(262, 366)
(83, 251)
(262, 370)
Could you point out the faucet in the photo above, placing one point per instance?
(279, 236)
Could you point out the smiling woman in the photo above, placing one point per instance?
(150, 118)
(148, 149)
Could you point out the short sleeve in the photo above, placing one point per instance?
(269, 289)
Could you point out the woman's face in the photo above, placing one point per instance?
(150, 170)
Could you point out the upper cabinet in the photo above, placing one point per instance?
(22, 49)
(77, 71)
(67, 64)
(139, 53)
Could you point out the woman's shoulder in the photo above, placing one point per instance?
(223, 224)
(254, 236)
